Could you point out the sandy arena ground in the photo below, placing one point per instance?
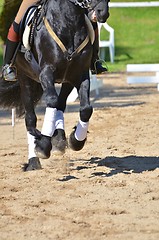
(107, 191)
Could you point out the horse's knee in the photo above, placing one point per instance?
(85, 113)
(52, 101)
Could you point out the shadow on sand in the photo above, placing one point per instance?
(127, 165)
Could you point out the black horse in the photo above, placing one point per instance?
(62, 50)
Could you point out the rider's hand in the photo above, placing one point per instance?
(92, 16)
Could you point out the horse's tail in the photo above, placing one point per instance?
(10, 95)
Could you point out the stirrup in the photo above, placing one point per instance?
(98, 68)
(9, 73)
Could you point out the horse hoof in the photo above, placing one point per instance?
(43, 147)
(74, 143)
(40, 153)
(59, 142)
(33, 164)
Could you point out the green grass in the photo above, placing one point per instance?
(1, 54)
(136, 36)
(1, 5)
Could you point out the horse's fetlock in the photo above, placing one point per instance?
(86, 113)
(34, 132)
(46, 139)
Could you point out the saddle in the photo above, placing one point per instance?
(31, 19)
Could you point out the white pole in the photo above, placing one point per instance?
(13, 117)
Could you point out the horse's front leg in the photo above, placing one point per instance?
(43, 146)
(78, 136)
(59, 141)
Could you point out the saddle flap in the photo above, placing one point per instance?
(26, 26)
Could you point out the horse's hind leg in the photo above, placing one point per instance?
(33, 160)
(78, 136)
(30, 122)
(59, 141)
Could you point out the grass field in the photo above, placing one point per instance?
(136, 36)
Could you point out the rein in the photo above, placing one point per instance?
(58, 41)
(82, 4)
(85, 4)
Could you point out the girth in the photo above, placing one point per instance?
(61, 45)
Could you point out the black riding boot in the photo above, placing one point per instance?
(8, 70)
(96, 64)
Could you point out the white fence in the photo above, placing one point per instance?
(134, 4)
(141, 73)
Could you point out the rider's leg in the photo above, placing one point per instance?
(96, 65)
(23, 7)
(8, 71)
